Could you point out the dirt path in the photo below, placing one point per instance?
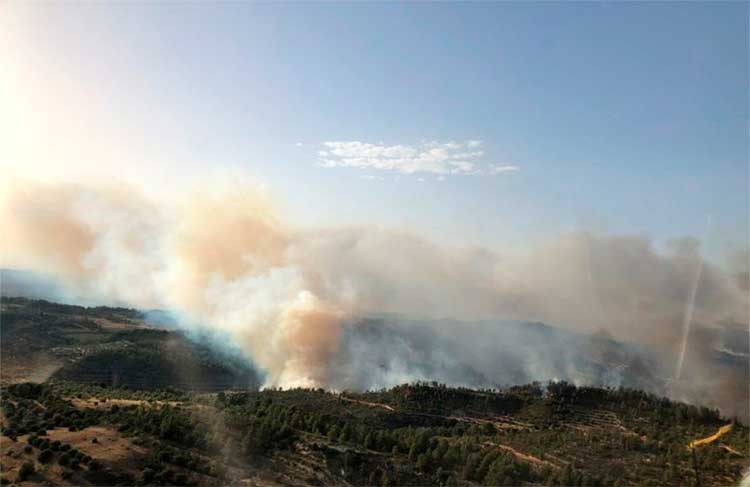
(501, 422)
(523, 456)
(498, 422)
(710, 439)
(367, 403)
(732, 450)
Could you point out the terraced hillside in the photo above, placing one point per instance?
(419, 434)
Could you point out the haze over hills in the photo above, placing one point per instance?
(389, 349)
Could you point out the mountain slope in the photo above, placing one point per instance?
(114, 346)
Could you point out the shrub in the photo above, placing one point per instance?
(46, 455)
(26, 471)
(64, 459)
(148, 475)
(27, 449)
(94, 465)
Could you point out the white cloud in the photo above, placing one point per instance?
(431, 157)
(299, 144)
(497, 168)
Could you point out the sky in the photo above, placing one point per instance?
(474, 124)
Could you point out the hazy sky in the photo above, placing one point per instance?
(472, 123)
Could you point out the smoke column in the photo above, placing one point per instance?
(291, 297)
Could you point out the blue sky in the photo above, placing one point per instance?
(628, 117)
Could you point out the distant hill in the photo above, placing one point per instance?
(375, 351)
(112, 346)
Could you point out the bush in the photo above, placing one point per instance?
(27, 449)
(45, 456)
(148, 475)
(26, 471)
(64, 459)
(94, 465)
(165, 456)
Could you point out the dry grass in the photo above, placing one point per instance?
(94, 403)
(111, 449)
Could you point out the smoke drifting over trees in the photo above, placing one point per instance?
(292, 298)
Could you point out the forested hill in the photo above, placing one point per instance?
(419, 434)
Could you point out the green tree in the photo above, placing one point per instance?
(333, 433)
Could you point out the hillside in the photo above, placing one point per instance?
(116, 398)
(420, 434)
(111, 346)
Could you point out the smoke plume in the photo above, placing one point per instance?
(293, 298)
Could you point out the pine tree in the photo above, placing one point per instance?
(333, 433)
